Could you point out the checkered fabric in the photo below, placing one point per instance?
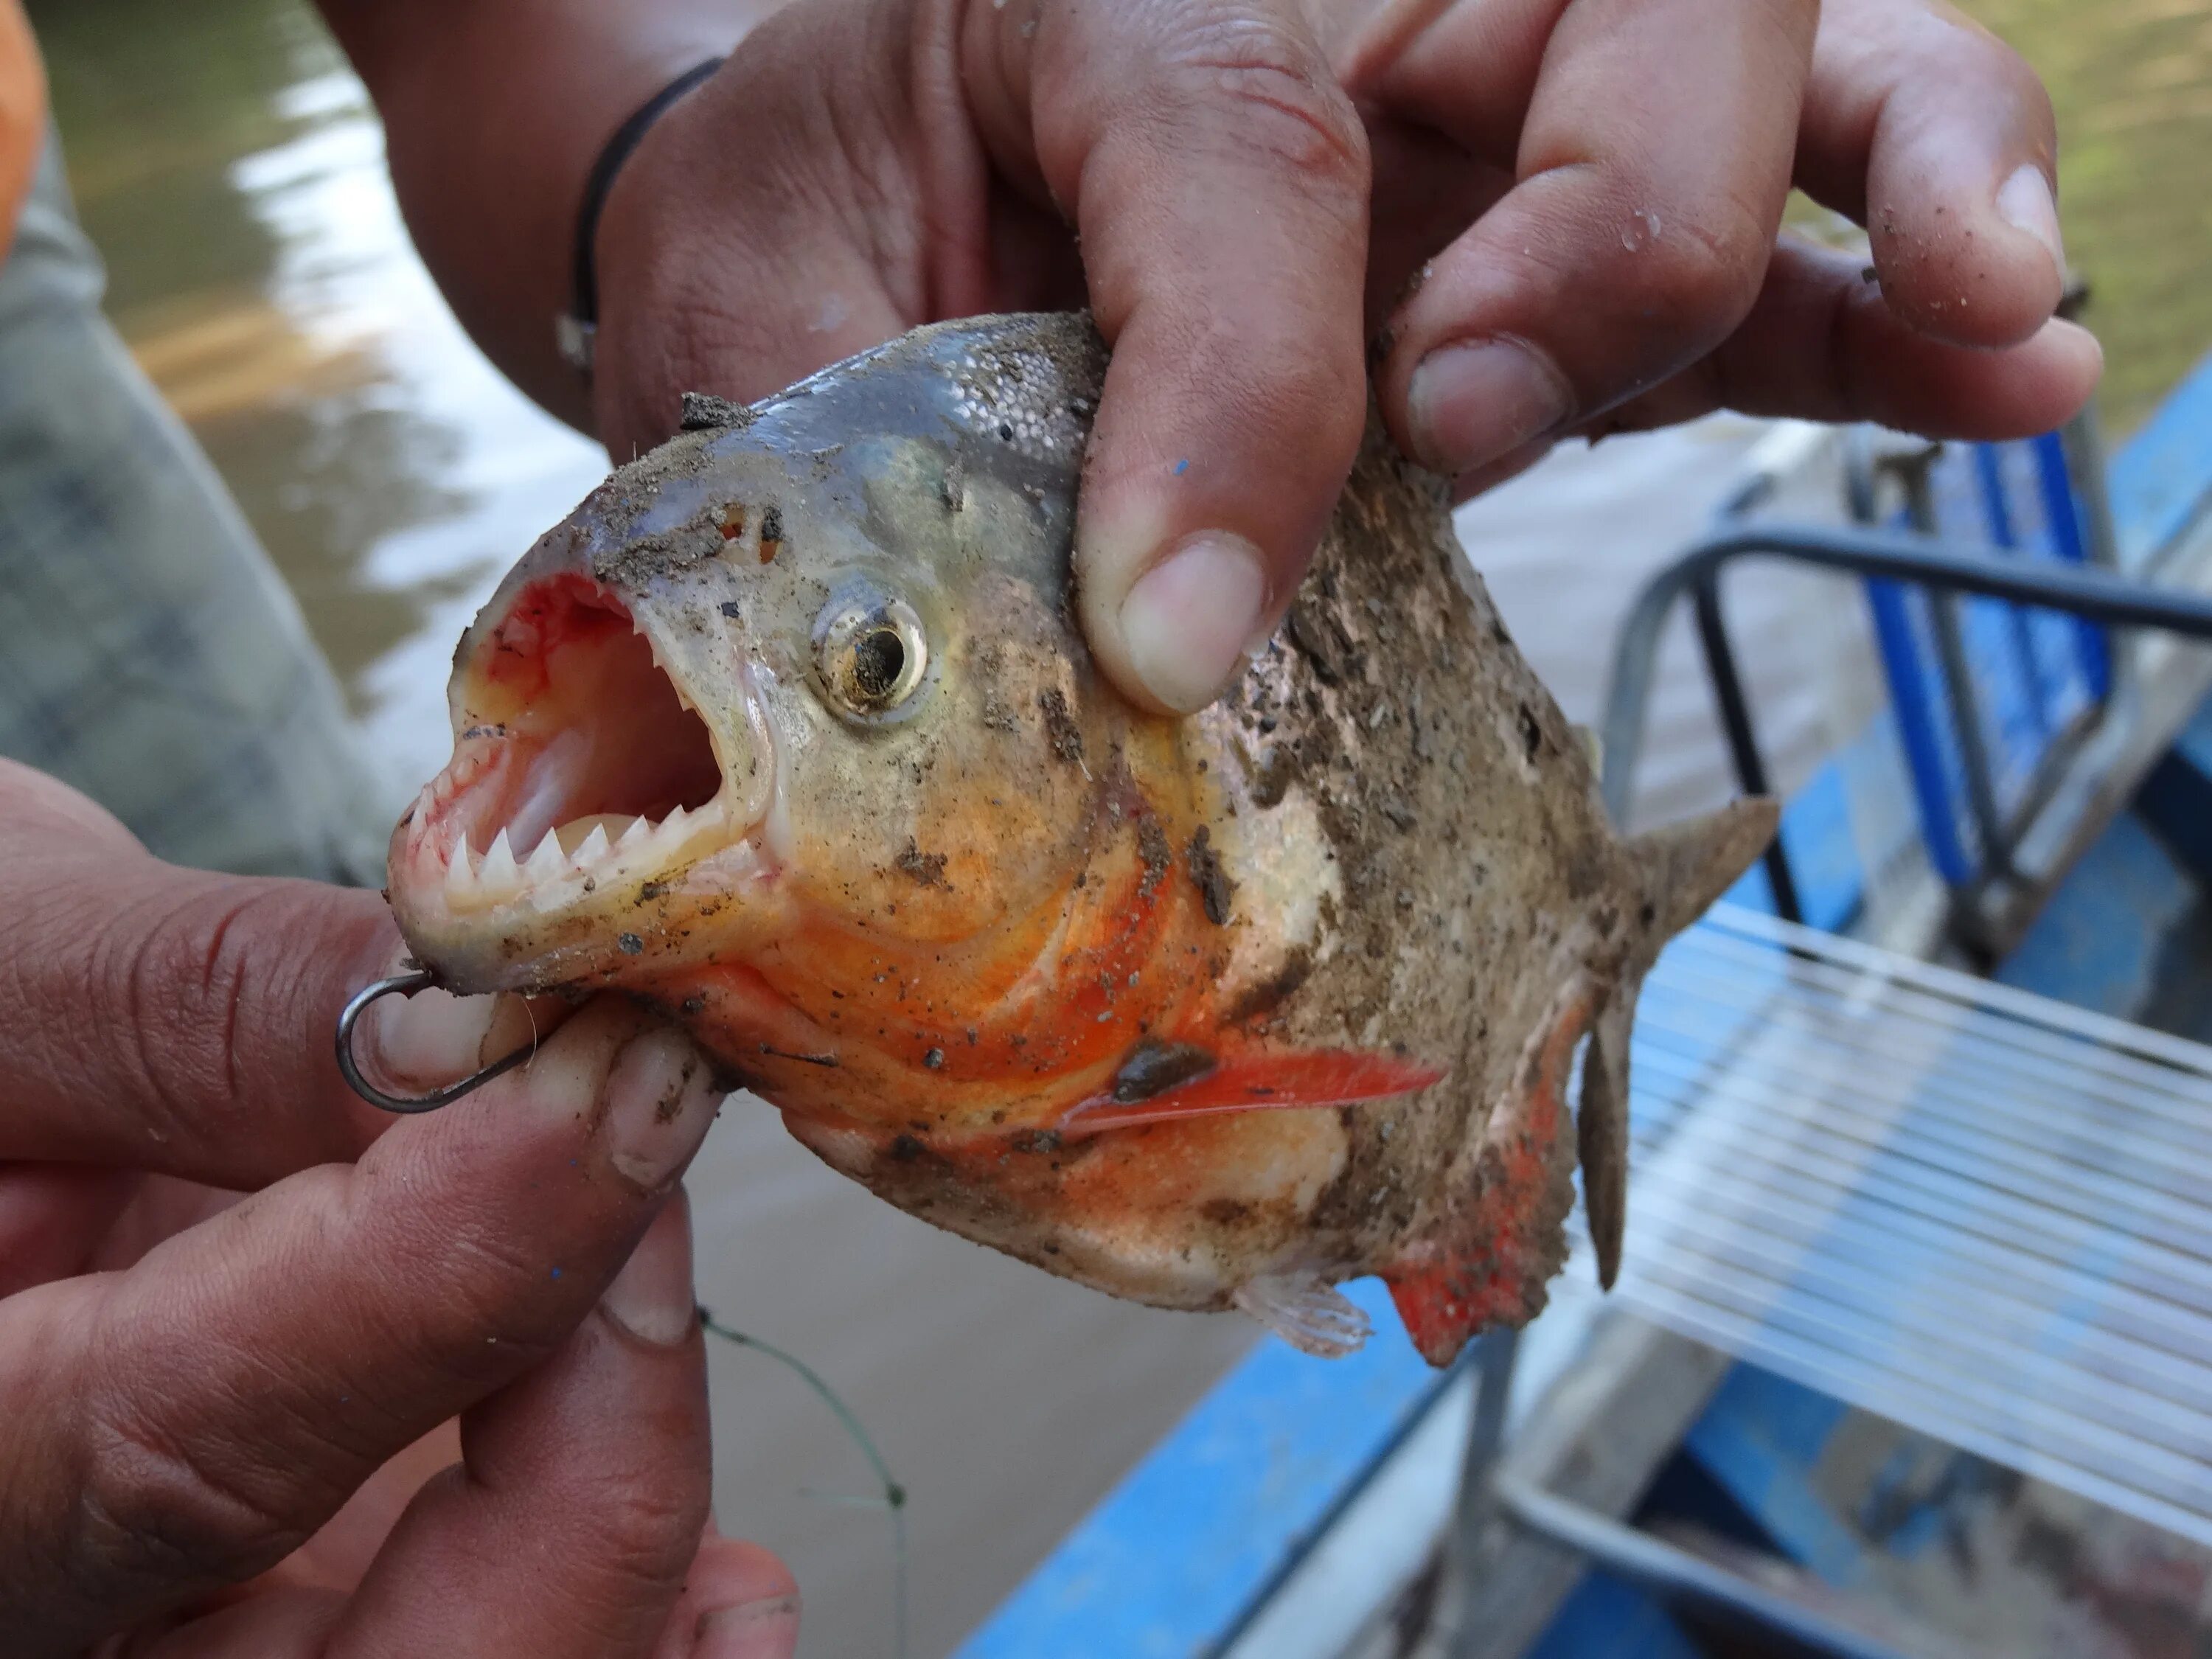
(149, 653)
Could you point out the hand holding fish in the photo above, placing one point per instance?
(228, 1425)
(1545, 217)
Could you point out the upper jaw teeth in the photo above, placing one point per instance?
(582, 848)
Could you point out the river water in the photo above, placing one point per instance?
(230, 169)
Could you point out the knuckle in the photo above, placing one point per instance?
(1277, 94)
(489, 1304)
(1289, 389)
(149, 972)
(647, 1529)
(1696, 285)
(182, 985)
(152, 1510)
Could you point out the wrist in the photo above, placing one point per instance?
(494, 114)
(576, 329)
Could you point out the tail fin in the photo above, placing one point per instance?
(1686, 866)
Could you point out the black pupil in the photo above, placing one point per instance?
(878, 659)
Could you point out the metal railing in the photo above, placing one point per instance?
(2090, 590)
(2084, 590)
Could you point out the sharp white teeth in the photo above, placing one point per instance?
(499, 874)
(546, 862)
(674, 824)
(636, 833)
(595, 846)
(460, 870)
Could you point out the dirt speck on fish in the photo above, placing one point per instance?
(1210, 1013)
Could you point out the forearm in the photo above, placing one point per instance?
(494, 112)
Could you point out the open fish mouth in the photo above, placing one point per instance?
(583, 768)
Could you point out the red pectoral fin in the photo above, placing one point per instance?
(1158, 1081)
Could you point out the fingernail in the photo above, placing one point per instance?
(433, 1035)
(652, 1297)
(2025, 203)
(755, 1630)
(660, 1099)
(1192, 616)
(1471, 403)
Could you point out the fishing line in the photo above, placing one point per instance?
(894, 1495)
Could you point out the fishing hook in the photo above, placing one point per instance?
(406, 984)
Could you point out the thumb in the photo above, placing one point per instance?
(178, 1021)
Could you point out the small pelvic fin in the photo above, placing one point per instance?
(1601, 1127)
(1253, 1082)
(1312, 1315)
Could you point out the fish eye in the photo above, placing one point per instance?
(870, 655)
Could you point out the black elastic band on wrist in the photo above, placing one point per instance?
(584, 315)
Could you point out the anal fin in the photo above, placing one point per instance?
(1489, 1262)
(1602, 1128)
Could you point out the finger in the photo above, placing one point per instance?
(1652, 183)
(290, 1623)
(1217, 178)
(339, 1555)
(189, 1422)
(1824, 345)
(174, 1020)
(568, 1527)
(52, 1216)
(739, 1603)
(1935, 135)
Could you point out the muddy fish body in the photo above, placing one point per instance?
(789, 731)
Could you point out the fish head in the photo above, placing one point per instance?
(815, 667)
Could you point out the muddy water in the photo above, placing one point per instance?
(230, 169)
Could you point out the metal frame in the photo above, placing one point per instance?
(2089, 590)
(1928, 705)
(2084, 590)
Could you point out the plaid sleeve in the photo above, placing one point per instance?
(149, 653)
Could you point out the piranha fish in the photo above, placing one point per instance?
(789, 733)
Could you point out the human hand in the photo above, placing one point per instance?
(225, 1424)
(1246, 191)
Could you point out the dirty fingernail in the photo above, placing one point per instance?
(652, 1297)
(660, 1099)
(2025, 203)
(1468, 404)
(1192, 616)
(755, 1630)
(433, 1035)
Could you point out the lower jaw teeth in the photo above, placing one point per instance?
(587, 846)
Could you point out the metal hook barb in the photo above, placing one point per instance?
(406, 984)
